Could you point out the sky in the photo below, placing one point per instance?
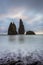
(30, 11)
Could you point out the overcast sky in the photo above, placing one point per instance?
(30, 11)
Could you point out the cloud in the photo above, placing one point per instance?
(5, 5)
(31, 11)
(37, 18)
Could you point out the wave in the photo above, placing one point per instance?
(20, 58)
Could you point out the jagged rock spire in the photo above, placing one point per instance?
(12, 29)
(21, 29)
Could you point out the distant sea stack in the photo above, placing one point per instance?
(30, 33)
(21, 29)
(12, 29)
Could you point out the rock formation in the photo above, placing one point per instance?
(12, 29)
(30, 33)
(21, 29)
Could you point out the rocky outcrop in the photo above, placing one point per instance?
(30, 33)
(21, 29)
(12, 29)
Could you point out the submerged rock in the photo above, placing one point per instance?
(21, 29)
(30, 33)
(12, 29)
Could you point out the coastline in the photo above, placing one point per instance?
(16, 59)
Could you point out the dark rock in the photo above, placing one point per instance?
(12, 29)
(19, 62)
(35, 63)
(30, 33)
(21, 29)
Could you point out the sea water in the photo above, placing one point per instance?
(21, 43)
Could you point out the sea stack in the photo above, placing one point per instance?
(21, 29)
(12, 29)
(30, 33)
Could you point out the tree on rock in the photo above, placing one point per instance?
(12, 29)
(21, 29)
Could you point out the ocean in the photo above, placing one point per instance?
(24, 44)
